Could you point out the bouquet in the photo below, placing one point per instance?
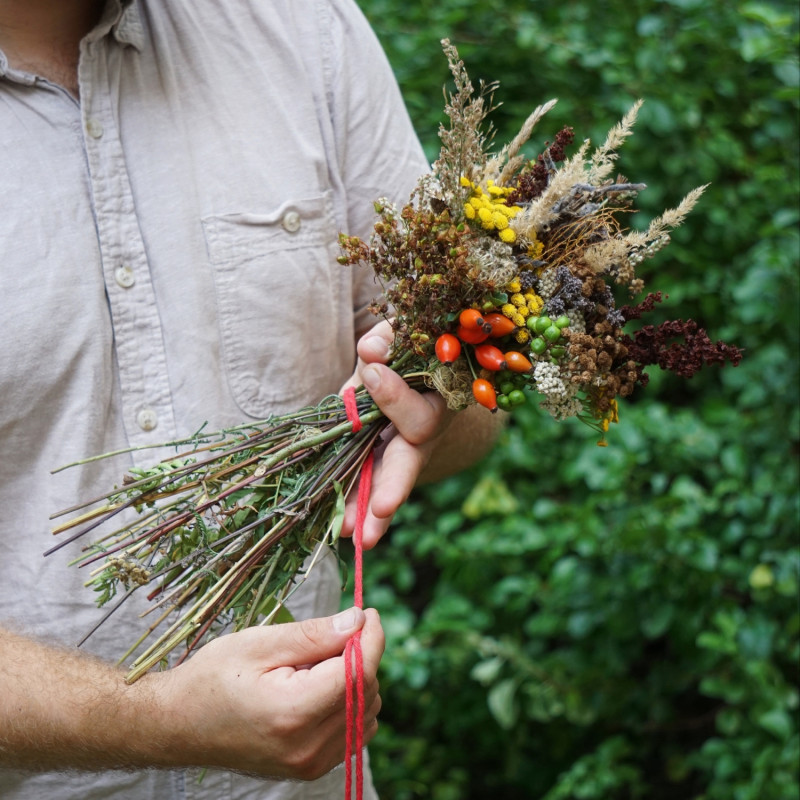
(500, 279)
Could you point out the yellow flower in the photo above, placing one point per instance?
(535, 250)
(485, 217)
(535, 303)
(514, 286)
(517, 299)
(509, 310)
(508, 236)
(465, 181)
(500, 220)
(469, 211)
(518, 320)
(522, 335)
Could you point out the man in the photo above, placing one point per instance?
(174, 176)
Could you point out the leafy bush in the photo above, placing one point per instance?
(566, 621)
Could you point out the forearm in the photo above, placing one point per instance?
(60, 709)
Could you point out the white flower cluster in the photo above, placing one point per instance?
(547, 378)
(560, 398)
(577, 324)
(548, 284)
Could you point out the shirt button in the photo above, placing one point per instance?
(147, 419)
(291, 221)
(125, 277)
(94, 128)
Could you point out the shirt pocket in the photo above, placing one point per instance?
(279, 305)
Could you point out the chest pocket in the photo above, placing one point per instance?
(278, 289)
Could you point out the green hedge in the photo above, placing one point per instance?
(567, 621)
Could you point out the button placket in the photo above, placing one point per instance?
(138, 336)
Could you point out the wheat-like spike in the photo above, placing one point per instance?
(604, 157)
(535, 218)
(515, 145)
(674, 217)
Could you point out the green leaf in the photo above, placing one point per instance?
(503, 704)
(777, 722)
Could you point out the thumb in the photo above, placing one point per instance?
(313, 640)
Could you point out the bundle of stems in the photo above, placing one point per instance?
(224, 530)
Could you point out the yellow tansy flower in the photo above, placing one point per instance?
(508, 236)
(485, 217)
(500, 221)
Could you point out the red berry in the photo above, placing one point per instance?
(471, 319)
(475, 336)
(490, 357)
(501, 325)
(517, 362)
(484, 393)
(448, 348)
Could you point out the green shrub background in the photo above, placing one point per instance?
(568, 621)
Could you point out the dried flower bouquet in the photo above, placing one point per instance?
(499, 279)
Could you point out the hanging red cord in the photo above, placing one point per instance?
(354, 686)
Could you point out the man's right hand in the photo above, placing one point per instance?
(267, 701)
(271, 701)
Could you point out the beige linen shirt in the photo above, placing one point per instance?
(167, 258)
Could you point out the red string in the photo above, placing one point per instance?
(351, 408)
(352, 651)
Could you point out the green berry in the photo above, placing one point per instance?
(557, 352)
(517, 397)
(552, 334)
(562, 321)
(506, 387)
(542, 324)
(538, 346)
(504, 402)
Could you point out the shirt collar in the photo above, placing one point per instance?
(120, 19)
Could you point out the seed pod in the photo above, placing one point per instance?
(448, 348)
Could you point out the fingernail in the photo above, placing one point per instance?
(345, 621)
(372, 378)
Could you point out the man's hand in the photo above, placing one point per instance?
(271, 701)
(267, 701)
(424, 442)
